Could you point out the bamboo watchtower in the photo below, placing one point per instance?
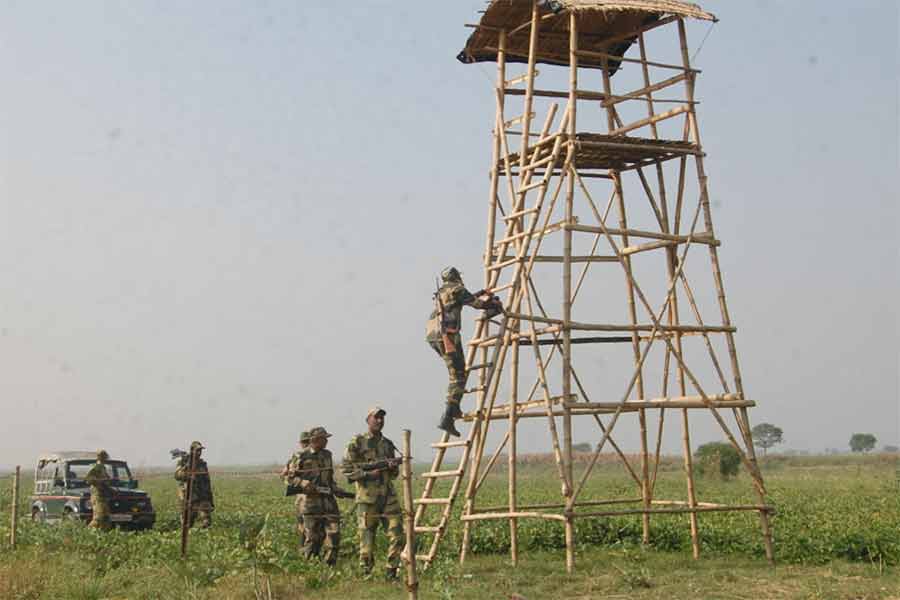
(609, 188)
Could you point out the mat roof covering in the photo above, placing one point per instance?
(603, 26)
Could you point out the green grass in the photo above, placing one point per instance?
(837, 535)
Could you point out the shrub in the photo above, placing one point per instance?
(717, 458)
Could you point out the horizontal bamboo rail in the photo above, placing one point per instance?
(623, 327)
(701, 237)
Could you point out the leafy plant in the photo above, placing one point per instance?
(717, 458)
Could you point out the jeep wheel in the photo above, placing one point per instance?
(37, 516)
(69, 515)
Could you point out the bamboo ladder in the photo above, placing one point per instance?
(544, 153)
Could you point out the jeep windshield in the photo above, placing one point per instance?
(77, 470)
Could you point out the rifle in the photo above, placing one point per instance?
(322, 490)
(379, 465)
(449, 346)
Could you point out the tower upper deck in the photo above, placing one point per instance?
(604, 26)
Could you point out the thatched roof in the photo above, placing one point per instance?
(603, 26)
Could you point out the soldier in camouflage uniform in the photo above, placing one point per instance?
(376, 500)
(202, 504)
(101, 492)
(304, 445)
(443, 335)
(313, 472)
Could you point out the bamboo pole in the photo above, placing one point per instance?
(14, 509)
(567, 288)
(186, 512)
(412, 583)
(512, 461)
(720, 289)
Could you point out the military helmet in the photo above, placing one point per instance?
(451, 274)
(102, 454)
(195, 445)
(375, 410)
(317, 432)
(304, 437)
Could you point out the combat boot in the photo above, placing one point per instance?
(390, 573)
(450, 413)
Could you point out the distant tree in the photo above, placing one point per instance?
(766, 435)
(891, 449)
(862, 442)
(582, 447)
(717, 458)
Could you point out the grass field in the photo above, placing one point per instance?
(837, 535)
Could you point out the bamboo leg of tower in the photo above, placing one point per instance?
(567, 289)
(673, 315)
(720, 289)
(512, 454)
(632, 314)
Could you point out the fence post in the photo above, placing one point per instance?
(412, 583)
(14, 513)
(187, 510)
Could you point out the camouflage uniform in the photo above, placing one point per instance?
(299, 499)
(313, 472)
(98, 479)
(202, 504)
(376, 500)
(453, 295)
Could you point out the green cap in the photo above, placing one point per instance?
(317, 432)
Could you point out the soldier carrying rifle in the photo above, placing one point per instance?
(312, 474)
(371, 463)
(443, 335)
(201, 501)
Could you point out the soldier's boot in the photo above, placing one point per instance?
(450, 413)
(390, 572)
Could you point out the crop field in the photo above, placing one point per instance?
(837, 535)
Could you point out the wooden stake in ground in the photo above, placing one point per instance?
(412, 582)
(186, 509)
(14, 511)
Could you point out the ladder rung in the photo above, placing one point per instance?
(481, 366)
(519, 79)
(432, 501)
(540, 163)
(520, 213)
(424, 557)
(505, 263)
(422, 529)
(438, 474)
(531, 186)
(455, 444)
(514, 120)
(477, 388)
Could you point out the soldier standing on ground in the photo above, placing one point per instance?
(312, 471)
(202, 504)
(371, 462)
(101, 492)
(443, 335)
(286, 476)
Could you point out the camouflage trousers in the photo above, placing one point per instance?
(456, 368)
(301, 531)
(100, 514)
(201, 514)
(321, 530)
(386, 511)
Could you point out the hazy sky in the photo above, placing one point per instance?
(222, 220)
